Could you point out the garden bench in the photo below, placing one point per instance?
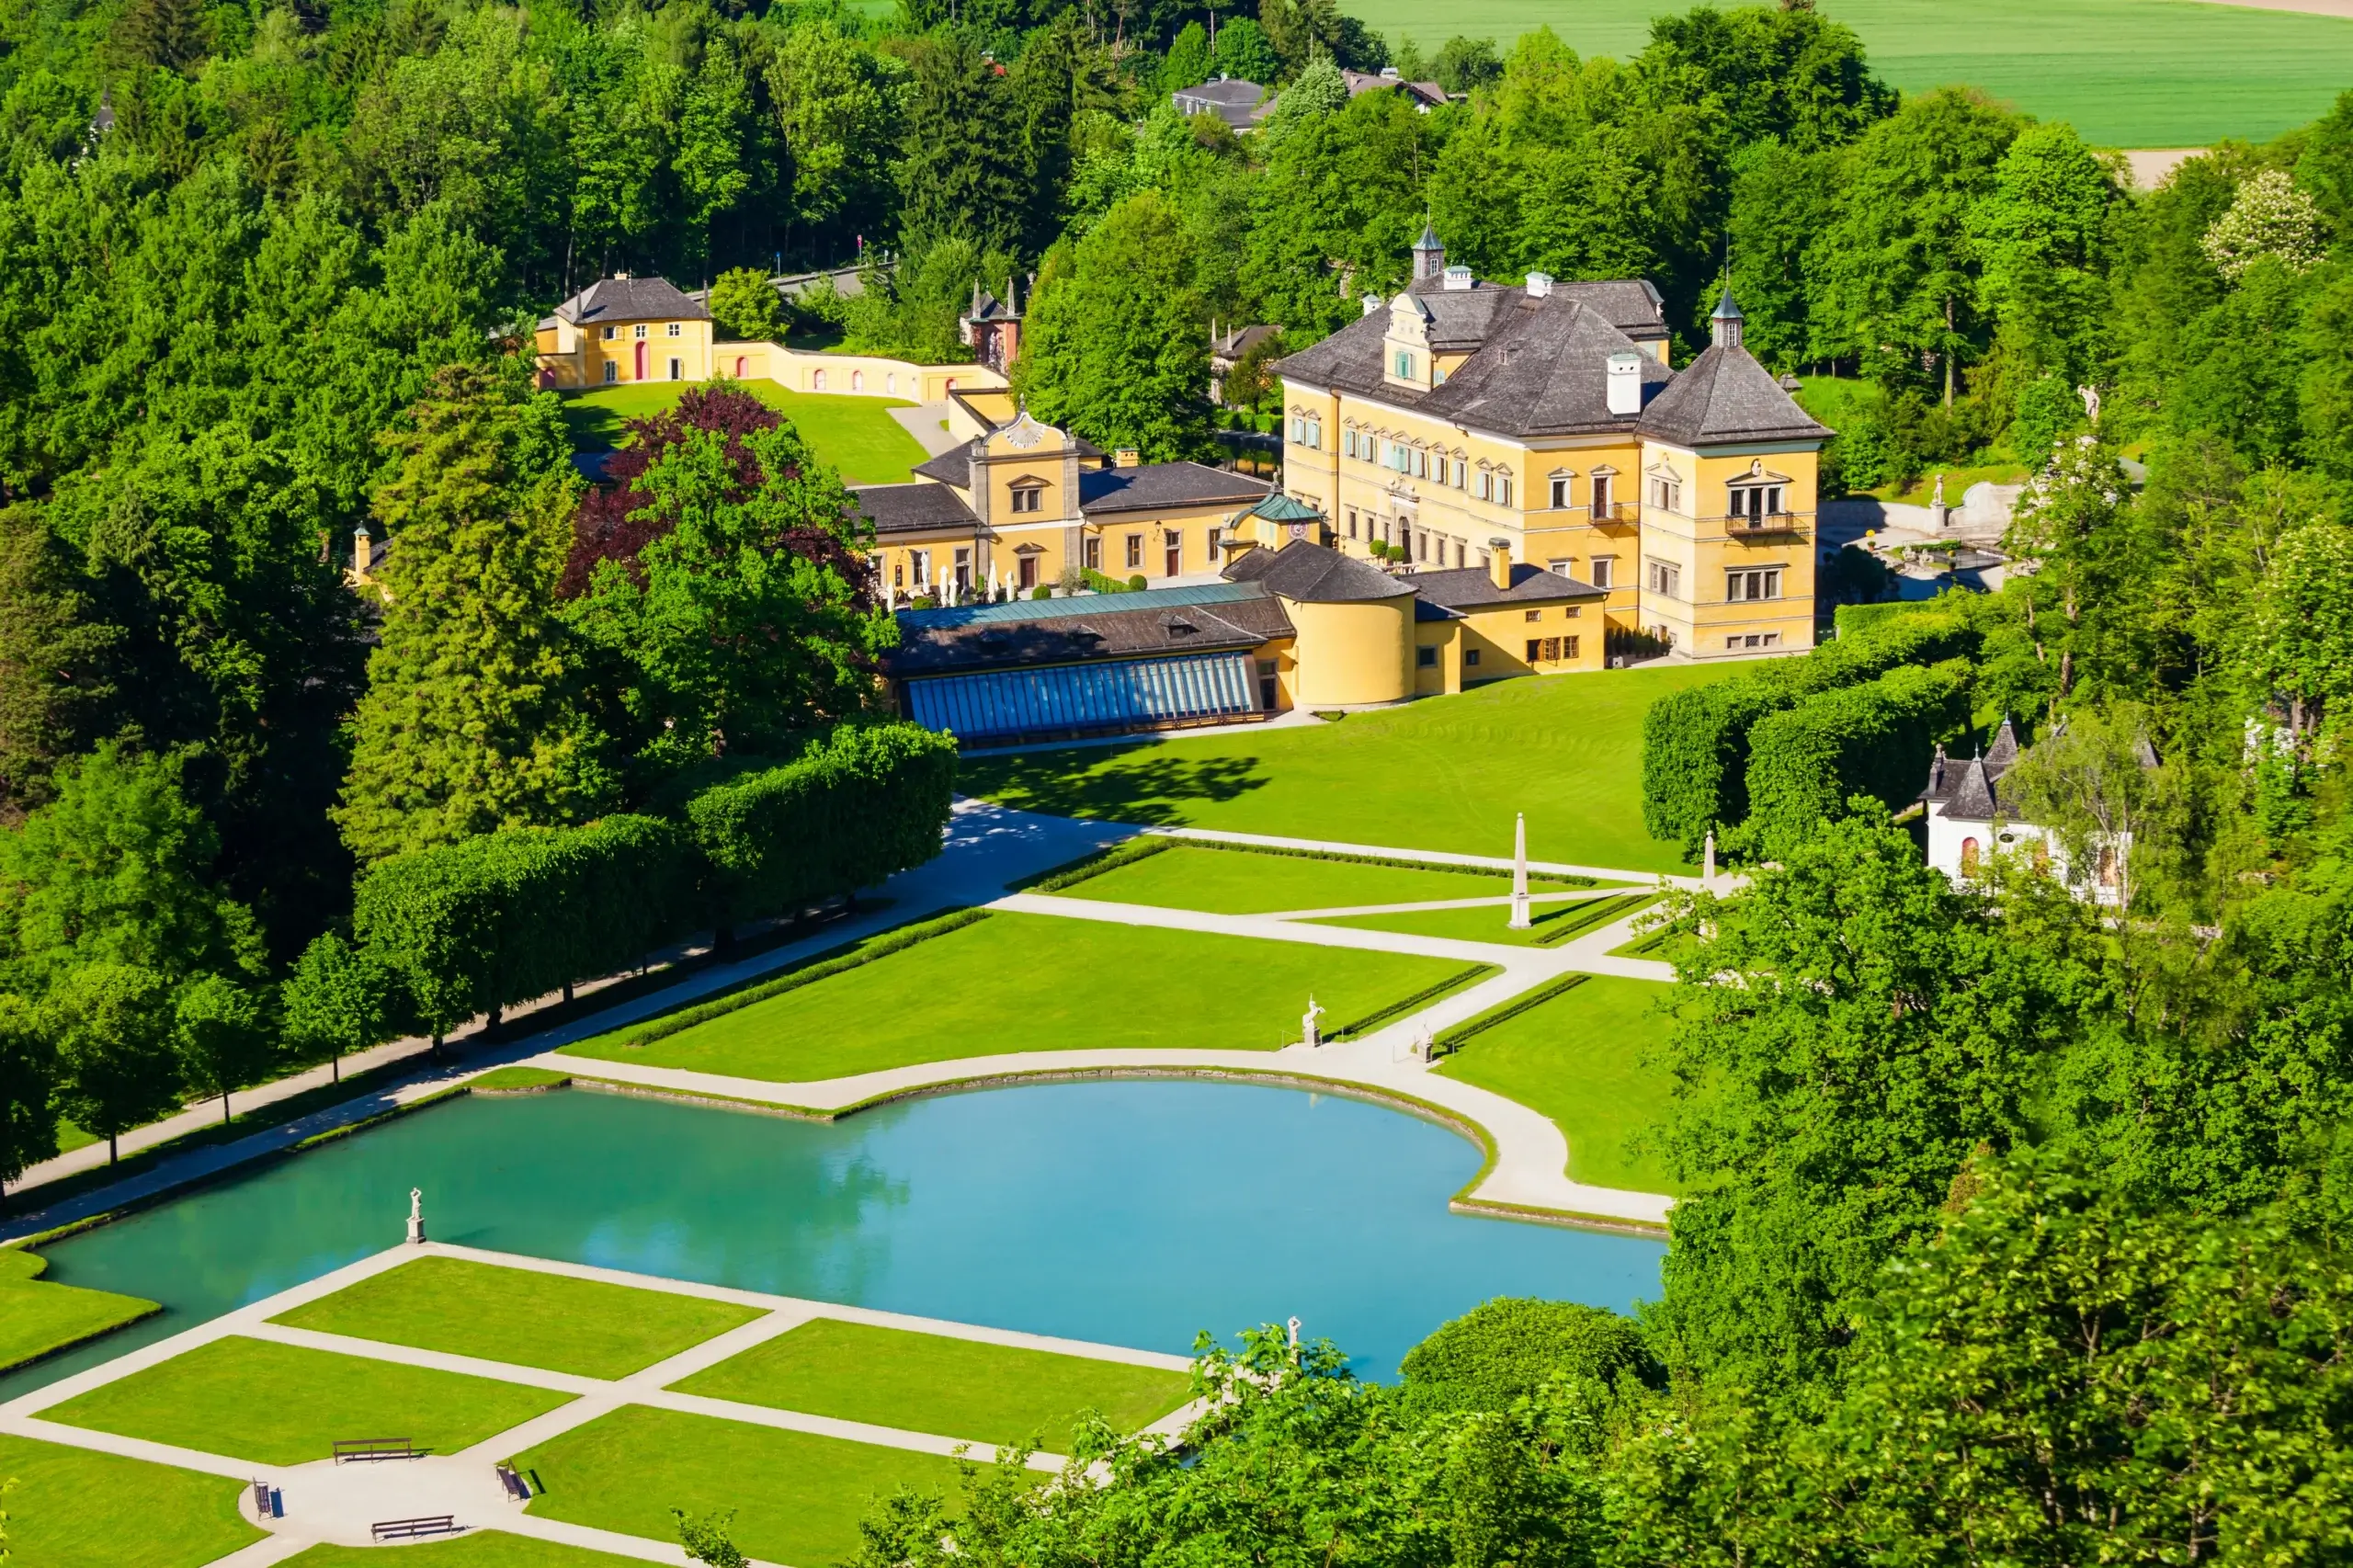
(409, 1529)
(269, 1504)
(376, 1448)
(517, 1487)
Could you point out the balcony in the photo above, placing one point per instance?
(1616, 512)
(1750, 524)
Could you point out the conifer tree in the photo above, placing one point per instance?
(468, 723)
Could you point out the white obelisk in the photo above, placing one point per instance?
(1708, 865)
(1520, 921)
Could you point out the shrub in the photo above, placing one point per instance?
(491, 921)
(1042, 592)
(1874, 739)
(1509, 1346)
(1696, 741)
(1136, 583)
(868, 800)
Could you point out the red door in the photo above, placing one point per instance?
(640, 363)
(1175, 556)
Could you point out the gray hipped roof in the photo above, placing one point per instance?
(1306, 573)
(627, 298)
(1471, 588)
(911, 508)
(1725, 395)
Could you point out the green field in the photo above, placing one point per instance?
(522, 1316)
(1580, 1058)
(1445, 773)
(2128, 73)
(1036, 982)
(928, 1382)
(855, 435)
(481, 1549)
(253, 1399)
(1240, 881)
(1549, 924)
(36, 1317)
(72, 1508)
(797, 1498)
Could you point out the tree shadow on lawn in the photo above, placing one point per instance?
(1145, 785)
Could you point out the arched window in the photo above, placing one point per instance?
(816, 380)
(741, 364)
(857, 381)
(890, 382)
(1969, 857)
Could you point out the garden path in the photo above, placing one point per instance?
(988, 846)
(338, 1504)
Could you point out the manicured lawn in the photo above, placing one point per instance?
(1581, 1060)
(927, 1383)
(855, 435)
(797, 1498)
(36, 1317)
(1239, 881)
(499, 1078)
(1038, 983)
(2128, 73)
(483, 1548)
(531, 1319)
(283, 1405)
(72, 1508)
(1445, 773)
(1548, 924)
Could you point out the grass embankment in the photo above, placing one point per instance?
(38, 1318)
(855, 435)
(519, 1315)
(1583, 1060)
(1035, 983)
(481, 1549)
(1549, 924)
(74, 1508)
(1446, 773)
(928, 1382)
(797, 1498)
(2127, 73)
(253, 1399)
(1220, 880)
(516, 1079)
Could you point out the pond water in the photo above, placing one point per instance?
(1127, 1211)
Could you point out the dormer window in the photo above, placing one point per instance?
(1029, 497)
(1404, 363)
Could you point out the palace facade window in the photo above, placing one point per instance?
(1030, 498)
(674, 330)
(1600, 490)
(1667, 493)
(1559, 493)
(1755, 503)
(1756, 583)
(1090, 553)
(1604, 567)
(1664, 578)
(1135, 552)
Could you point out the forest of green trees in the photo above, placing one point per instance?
(2013, 1234)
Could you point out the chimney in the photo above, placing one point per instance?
(1499, 564)
(1371, 303)
(1539, 285)
(1457, 279)
(1724, 325)
(1625, 383)
(1127, 457)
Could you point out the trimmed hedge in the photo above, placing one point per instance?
(1873, 739)
(1510, 1346)
(867, 801)
(488, 922)
(491, 921)
(1695, 742)
(1453, 1040)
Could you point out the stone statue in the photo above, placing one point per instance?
(1937, 500)
(1309, 1034)
(415, 1215)
(2091, 403)
(1294, 1336)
